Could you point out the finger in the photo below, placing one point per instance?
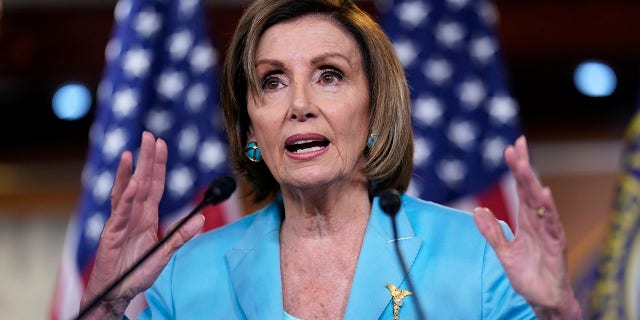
(120, 216)
(145, 161)
(490, 229)
(186, 232)
(529, 187)
(158, 174)
(143, 172)
(552, 222)
(123, 175)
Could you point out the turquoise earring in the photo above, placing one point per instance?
(253, 152)
(372, 139)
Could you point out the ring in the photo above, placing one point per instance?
(540, 212)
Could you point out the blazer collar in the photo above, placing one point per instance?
(379, 264)
(254, 266)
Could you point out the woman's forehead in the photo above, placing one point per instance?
(315, 36)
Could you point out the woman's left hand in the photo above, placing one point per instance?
(536, 259)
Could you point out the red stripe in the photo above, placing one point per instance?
(214, 217)
(493, 198)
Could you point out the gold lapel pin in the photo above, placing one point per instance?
(397, 295)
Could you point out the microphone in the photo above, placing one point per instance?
(390, 203)
(219, 190)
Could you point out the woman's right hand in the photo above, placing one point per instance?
(132, 229)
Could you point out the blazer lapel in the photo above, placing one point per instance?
(254, 266)
(379, 263)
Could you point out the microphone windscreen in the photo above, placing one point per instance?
(220, 189)
(390, 201)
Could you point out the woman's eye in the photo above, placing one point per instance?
(331, 76)
(271, 83)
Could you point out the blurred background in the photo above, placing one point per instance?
(575, 123)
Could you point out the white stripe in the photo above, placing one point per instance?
(69, 286)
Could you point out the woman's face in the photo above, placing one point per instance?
(311, 118)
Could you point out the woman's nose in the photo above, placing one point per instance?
(301, 108)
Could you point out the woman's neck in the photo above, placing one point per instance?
(330, 212)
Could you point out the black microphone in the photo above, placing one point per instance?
(219, 190)
(390, 202)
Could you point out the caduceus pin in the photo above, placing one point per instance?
(397, 295)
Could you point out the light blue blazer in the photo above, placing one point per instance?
(234, 272)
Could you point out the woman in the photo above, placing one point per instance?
(318, 114)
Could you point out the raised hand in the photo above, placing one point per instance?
(535, 261)
(132, 229)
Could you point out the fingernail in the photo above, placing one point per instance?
(479, 209)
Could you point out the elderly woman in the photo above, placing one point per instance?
(318, 115)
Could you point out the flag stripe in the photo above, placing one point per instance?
(493, 197)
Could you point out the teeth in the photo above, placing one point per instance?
(308, 149)
(303, 141)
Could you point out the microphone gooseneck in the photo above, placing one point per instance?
(219, 190)
(390, 202)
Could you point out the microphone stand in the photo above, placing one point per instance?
(390, 202)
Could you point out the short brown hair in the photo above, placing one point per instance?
(389, 162)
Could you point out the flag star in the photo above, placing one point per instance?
(203, 57)
(437, 70)
(179, 44)
(482, 49)
(180, 181)
(102, 187)
(212, 154)
(462, 133)
(122, 10)
(428, 110)
(105, 89)
(412, 13)
(124, 102)
(493, 150)
(457, 4)
(147, 23)
(422, 151)
(187, 7)
(406, 51)
(188, 140)
(502, 108)
(113, 49)
(114, 142)
(414, 189)
(449, 33)
(136, 62)
(170, 83)
(471, 93)
(451, 172)
(158, 121)
(87, 176)
(94, 226)
(96, 134)
(196, 96)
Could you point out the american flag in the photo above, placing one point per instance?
(463, 112)
(161, 76)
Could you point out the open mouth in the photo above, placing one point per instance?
(310, 145)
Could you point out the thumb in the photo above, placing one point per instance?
(186, 232)
(490, 228)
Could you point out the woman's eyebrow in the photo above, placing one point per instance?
(270, 62)
(328, 55)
